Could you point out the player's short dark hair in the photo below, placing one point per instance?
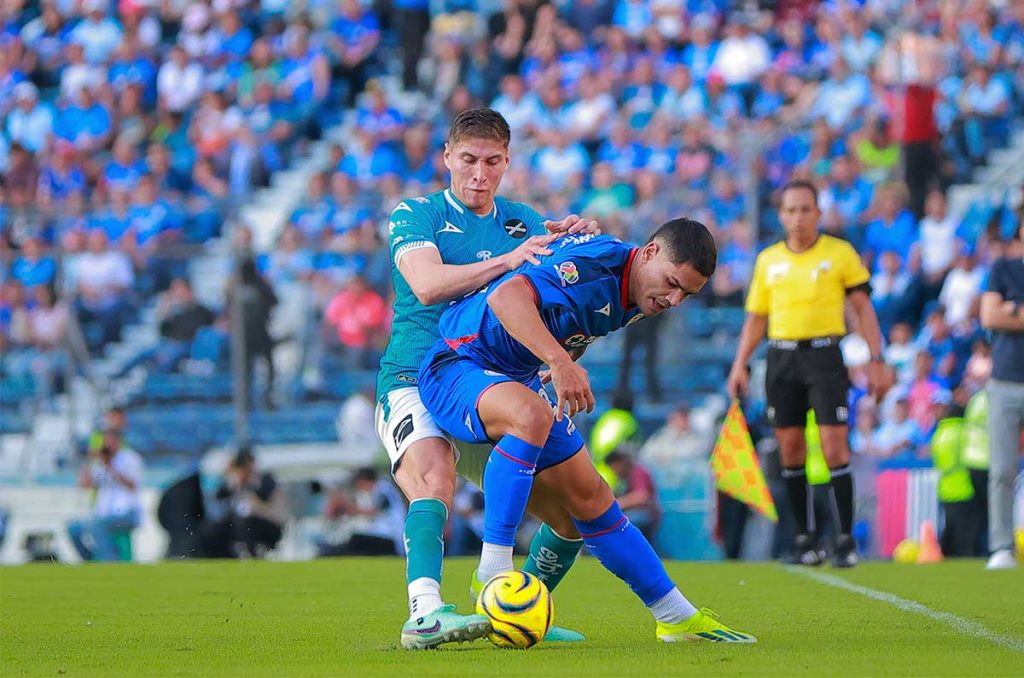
(795, 184)
(689, 242)
(479, 123)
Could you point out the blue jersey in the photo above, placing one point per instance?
(439, 220)
(581, 290)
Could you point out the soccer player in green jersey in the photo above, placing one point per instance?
(443, 246)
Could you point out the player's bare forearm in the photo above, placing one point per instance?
(435, 282)
(754, 329)
(997, 314)
(515, 307)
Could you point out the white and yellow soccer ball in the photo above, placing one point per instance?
(519, 607)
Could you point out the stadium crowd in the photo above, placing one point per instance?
(132, 129)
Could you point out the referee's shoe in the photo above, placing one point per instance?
(808, 551)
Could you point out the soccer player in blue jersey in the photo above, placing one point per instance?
(481, 383)
(445, 245)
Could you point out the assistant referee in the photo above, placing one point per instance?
(797, 297)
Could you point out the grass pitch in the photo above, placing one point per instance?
(342, 617)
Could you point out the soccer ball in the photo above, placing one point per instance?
(519, 607)
(906, 551)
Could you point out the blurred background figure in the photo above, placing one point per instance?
(250, 511)
(115, 473)
(368, 517)
(636, 492)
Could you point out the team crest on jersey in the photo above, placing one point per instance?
(515, 228)
(568, 273)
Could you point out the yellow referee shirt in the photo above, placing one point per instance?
(803, 293)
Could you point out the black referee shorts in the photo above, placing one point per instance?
(806, 378)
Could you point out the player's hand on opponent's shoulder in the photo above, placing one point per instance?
(532, 247)
(738, 383)
(572, 388)
(573, 224)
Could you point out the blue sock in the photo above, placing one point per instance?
(508, 479)
(625, 552)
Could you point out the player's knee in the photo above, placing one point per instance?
(591, 500)
(531, 421)
(427, 470)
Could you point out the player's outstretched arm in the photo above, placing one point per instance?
(573, 224)
(435, 282)
(514, 305)
(754, 329)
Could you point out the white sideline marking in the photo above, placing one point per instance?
(959, 624)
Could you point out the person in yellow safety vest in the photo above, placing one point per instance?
(975, 458)
(956, 492)
(614, 427)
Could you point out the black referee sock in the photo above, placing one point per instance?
(841, 494)
(796, 491)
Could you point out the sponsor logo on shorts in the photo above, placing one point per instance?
(407, 379)
(515, 228)
(402, 431)
(492, 373)
(568, 273)
(842, 414)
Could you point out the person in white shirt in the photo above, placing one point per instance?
(743, 55)
(937, 246)
(179, 81)
(961, 293)
(115, 472)
(29, 123)
(98, 34)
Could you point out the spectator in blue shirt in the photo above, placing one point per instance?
(131, 67)
(85, 123)
(369, 160)
(122, 173)
(115, 219)
(33, 267)
(379, 118)
(314, 211)
(842, 95)
(861, 46)
(985, 105)
(419, 159)
(621, 151)
(660, 153)
(633, 16)
(847, 198)
(61, 178)
(305, 71)
(726, 201)
(699, 54)
(894, 229)
(231, 38)
(684, 100)
(355, 36)
(641, 98)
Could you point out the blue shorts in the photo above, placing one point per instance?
(450, 387)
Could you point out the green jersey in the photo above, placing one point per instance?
(441, 221)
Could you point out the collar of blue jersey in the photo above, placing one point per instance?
(624, 281)
(461, 208)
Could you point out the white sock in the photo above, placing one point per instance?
(494, 560)
(672, 608)
(424, 597)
